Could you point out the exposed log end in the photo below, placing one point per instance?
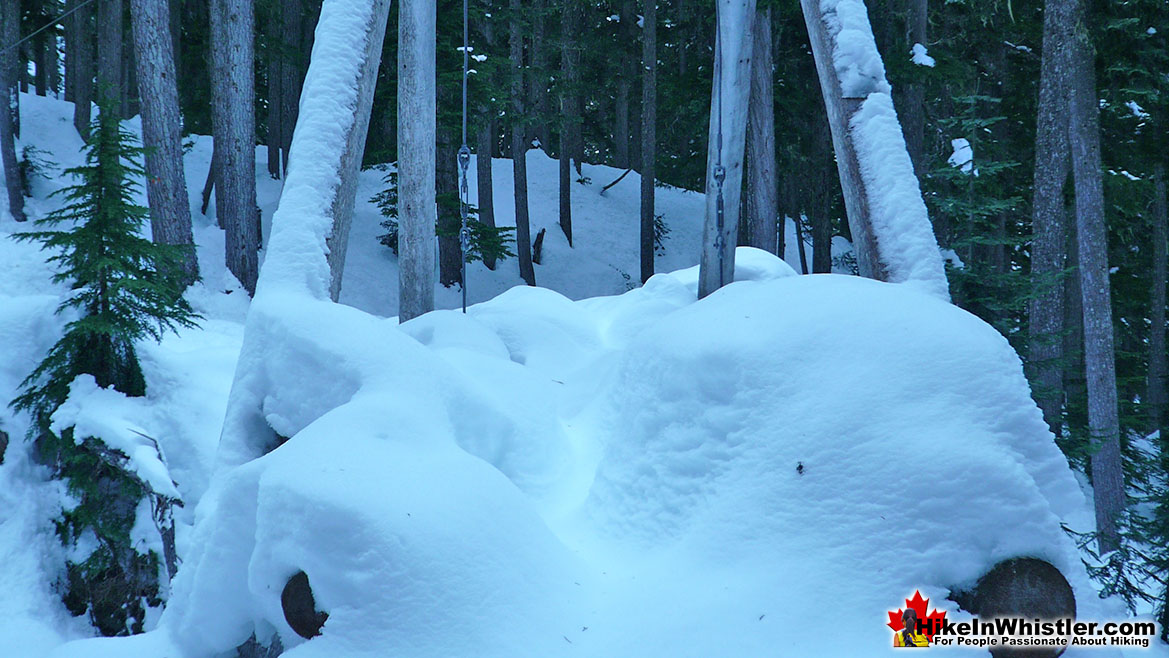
(1021, 587)
(300, 610)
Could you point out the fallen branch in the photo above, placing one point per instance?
(619, 178)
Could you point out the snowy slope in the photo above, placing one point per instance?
(562, 473)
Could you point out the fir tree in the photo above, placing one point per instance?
(124, 288)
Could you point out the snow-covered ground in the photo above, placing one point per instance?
(568, 470)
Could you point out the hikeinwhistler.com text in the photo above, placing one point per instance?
(1019, 632)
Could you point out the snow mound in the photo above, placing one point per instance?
(639, 474)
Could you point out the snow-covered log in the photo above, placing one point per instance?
(305, 253)
(729, 100)
(890, 227)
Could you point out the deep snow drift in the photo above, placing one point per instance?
(610, 476)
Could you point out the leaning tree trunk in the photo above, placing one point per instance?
(166, 187)
(519, 147)
(1157, 368)
(416, 157)
(10, 33)
(1099, 356)
(762, 203)
(649, 117)
(233, 124)
(80, 53)
(730, 96)
(1046, 313)
(109, 52)
(569, 110)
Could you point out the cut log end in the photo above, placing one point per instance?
(300, 610)
(1024, 587)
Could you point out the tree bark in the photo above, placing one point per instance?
(519, 146)
(914, 116)
(109, 51)
(53, 62)
(69, 59)
(621, 112)
(416, 157)
(1156, 394)
(1048, 244)
(233, 121)
(275, 70)
(763, 198)
(166, 187)
(649, 116)
(343, 203)
(538, 75)
(293, 64)
(450, 258)
(1099, 355)
(569, 110)
(486, 200)
(40, 45)
(81, 67)
(730, 98)
(9, 61)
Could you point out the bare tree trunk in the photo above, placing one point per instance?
(624, 79)
(1099, 356)
(649, 117)
(109, 51)
(342, 211)
(40, 46)
(209, 184)
(729, 101)
(9, 60)
(81, 68)
(450, 259)
(762, 201)
(276, 55)
(416, 157)
(1157, 392)
(53, 62)
(69, 61)
(296, 47)
(166, 187)
(519, 147)
(538, 75)
(233, 121)
(569, 111)
(130, 103)
(1048, 245)
(821, 222)
(913, 118)
(486, 200)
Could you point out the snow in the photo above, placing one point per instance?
(921, 56)
(854, 51)
(900, 221)
(583, 470)
(963, 156)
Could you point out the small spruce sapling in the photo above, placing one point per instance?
(124, 288)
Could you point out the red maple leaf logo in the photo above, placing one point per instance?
(931, 623)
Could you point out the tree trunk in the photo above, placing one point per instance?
(762, 201)
(40, 45)
(69, 59)
(1157, 392)
(624, 79)
(416, 157)
(649, 116)
(293, 64)
(450, 259)
(109, 51)
(53, 62)
(519, 147)
(569, 110)
(486, 200)
(538, 75)
(1048, 245)
(914, 101)
(730, 98)
(81, 67)
(342, 211)
(166, 187)
(1099, 357)
(233, 121)
(130, 103)
(9, 61)
(275, 69)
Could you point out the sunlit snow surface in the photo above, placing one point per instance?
(613, 476)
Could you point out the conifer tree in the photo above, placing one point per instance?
(125, 288)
